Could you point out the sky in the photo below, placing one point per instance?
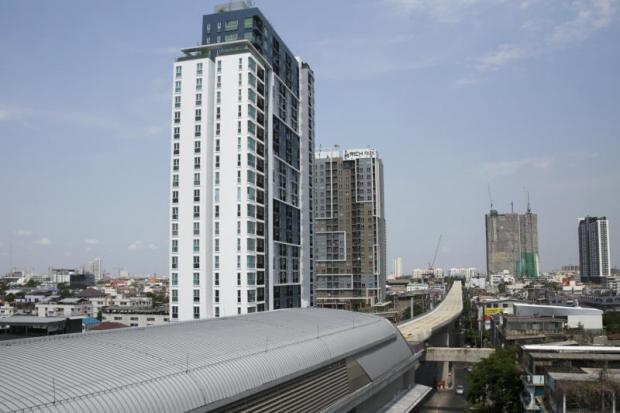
(458, 97)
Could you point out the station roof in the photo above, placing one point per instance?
(190, 365)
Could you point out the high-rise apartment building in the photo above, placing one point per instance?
(512, 243)
(594, 259)
(242, 154)
(349, 222)
(397, 265)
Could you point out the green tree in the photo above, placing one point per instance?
(611, 322)
(9, 298)
(32, 283)
(63, 290)
(495, 384)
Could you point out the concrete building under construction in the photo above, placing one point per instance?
(512, 243)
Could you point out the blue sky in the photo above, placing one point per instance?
(456, 95)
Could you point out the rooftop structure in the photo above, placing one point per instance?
(349, 360)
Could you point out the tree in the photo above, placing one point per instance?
(63, 290)
(495, 384)
(32, 283)
(501, 288)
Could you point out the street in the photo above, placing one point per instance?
(448, 400)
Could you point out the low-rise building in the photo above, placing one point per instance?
(507, 329)
(576, 317)
(98, 299)
(134, 316)
(124, 301)
(549, 371)
(67, 307)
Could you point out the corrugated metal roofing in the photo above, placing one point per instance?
(184, 366)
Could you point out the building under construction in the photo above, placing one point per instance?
(512, 243)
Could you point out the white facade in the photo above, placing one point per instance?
(397, 268)
(69, 307)
(225, 182)
(138, 319)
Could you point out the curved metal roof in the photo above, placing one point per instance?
(184, 366)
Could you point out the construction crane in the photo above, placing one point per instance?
(431, 264)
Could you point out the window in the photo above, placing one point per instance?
(238, 261)
(217, 278)
(198, 99)
(196, 228)
(176, 148)
(196, 279)
(196, 211)
(175, 229)
(219, 66)
(239, 111)
(177, 86)
(196, 245)
(174, 278)
(199, 67)
(248, 23)
(217, 311)
(175, 180)
(239, 97)
(199, 83)
(217, 128)
(175, 263)
(251, 227)
(217, 211)
(217, 296)
(216, 262)
(217, 178)
(177, 117)
(175, 164)
(196, 262)
(217, 228)
(196, 309)
(197, 162)
(196, 195)
(240, 63)
(198, 114)
(238, 296)
(175, 213)
(217, 195)
(178, 71)
(197, 130)
(238, 278)
(240, 79)
(216, 245)
(251, 261)
(218, 113)
(196, 179)
(218, 98)
(231, 25)
(231, 37)
(177, 101)
(175, 245)
(175, 197)
(196, 296)
(217, 145)
(251, 244)
(251, 278)
(175, 311)
(177, 132)
(219, 81)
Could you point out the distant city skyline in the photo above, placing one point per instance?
(456, 96)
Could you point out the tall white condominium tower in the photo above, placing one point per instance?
(240, 196)
(594, 260)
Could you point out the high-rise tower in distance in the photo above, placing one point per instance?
(594, 259)
(242, 153)
(350, 248)
(512, 243)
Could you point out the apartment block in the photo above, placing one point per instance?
(349, 238)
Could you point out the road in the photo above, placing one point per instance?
(421, 328)
(448, 400)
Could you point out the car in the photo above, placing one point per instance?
(469, 369)
(459, 389)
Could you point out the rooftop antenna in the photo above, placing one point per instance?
(490, 198)
(528, 203)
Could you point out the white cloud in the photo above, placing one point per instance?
(91, 241)
(152, 247)
(512, 167)
(444, 11)
(4, 114)
(136, 246)
(504, 54)
(591, 16)
(42, 241)
(23, 232)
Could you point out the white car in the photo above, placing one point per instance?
(459, 389)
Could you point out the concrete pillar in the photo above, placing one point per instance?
(564, 403)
